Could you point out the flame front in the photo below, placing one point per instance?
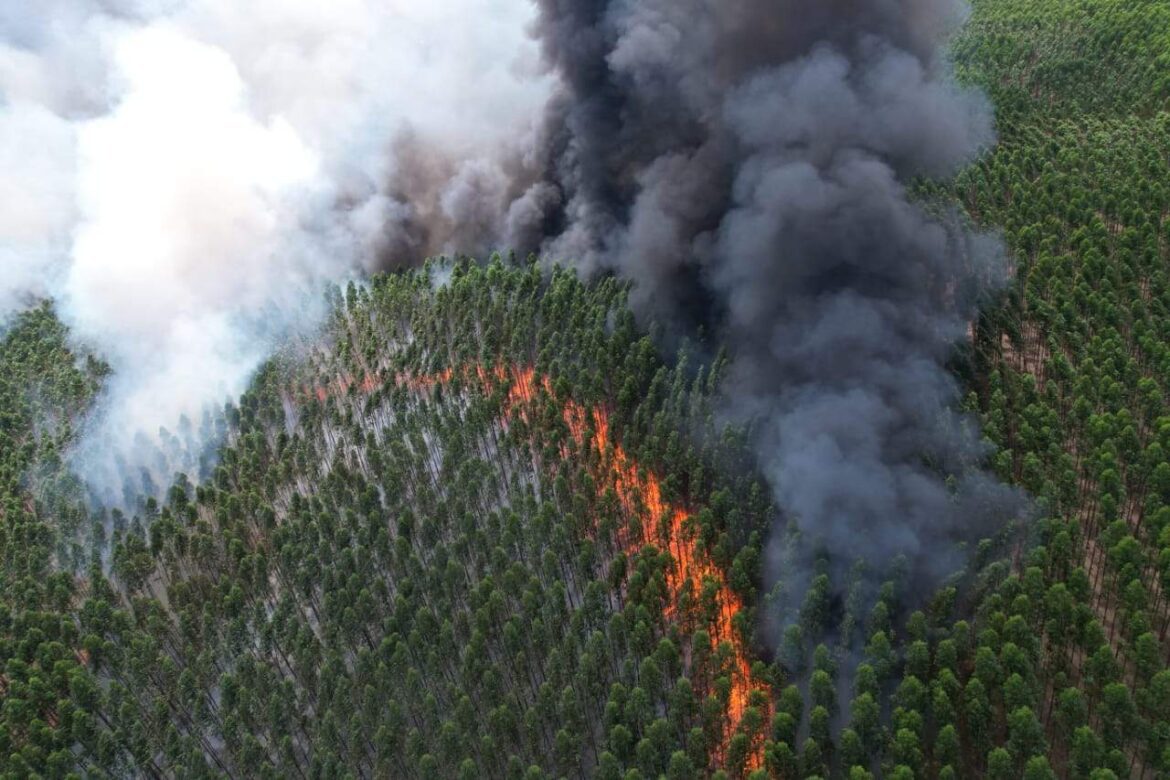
(640, 494)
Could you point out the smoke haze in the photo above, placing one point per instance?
(744, 162)
(183, 176)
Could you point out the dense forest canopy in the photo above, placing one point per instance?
(482, 526)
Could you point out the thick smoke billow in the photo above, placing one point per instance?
(747, 162)
(182, 176)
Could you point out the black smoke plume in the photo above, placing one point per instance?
(747, 162)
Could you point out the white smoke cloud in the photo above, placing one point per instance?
(183, 176)
(37, 149)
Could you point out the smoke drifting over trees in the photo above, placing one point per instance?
(182, 176)
(755, 156)
(744, 162)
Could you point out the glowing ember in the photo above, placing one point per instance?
(640, 494)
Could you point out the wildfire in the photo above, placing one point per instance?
(640, 494)
(341, 386)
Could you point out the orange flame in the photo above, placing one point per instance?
(640, 495)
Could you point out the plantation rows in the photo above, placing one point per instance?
(381, 574)
(1073, 368)
(386, 580)
(386, 575)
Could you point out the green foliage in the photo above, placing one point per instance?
(1069, 376)
(376, 579)
(398, 582)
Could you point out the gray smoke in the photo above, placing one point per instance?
(746, 163)
(184, 172)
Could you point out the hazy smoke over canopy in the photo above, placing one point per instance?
(183, 175)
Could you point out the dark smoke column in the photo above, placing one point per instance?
(754, 156)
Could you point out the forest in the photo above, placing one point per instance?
(485, 525)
